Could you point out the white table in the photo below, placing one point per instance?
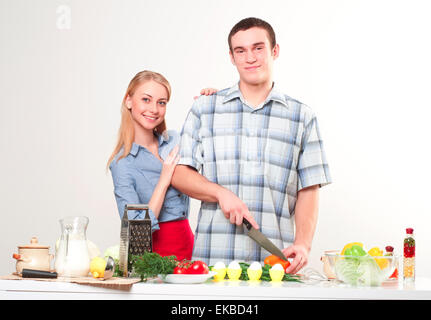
(226, 290)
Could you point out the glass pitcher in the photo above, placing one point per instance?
(72, 258)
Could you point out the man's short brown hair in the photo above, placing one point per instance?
(248, 23)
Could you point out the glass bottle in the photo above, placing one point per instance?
(390, 253)
(409, 256)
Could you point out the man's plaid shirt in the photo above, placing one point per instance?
(264, 155)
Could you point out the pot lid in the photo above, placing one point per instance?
(34, 244)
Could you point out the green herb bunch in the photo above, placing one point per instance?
(150, 264)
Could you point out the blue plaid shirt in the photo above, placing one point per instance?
(264, 155)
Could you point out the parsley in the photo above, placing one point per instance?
(150, 264)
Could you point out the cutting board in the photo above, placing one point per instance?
(112, 283)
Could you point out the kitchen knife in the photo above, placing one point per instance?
(263, 241)
(30, 273)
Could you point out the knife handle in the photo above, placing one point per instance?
(247, 223)
(30, 273)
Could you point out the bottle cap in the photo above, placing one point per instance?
(409, 230)
(389, 249)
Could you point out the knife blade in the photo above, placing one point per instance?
(263, 241)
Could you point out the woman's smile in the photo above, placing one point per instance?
(150, 118)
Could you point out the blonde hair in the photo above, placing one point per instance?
(126, 133)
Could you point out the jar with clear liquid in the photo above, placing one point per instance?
(72, 258)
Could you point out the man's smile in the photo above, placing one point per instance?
(251, 68)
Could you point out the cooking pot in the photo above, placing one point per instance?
(33, 256)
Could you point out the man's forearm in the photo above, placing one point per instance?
(190, 182)
(306, 212)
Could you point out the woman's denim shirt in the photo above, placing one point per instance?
(135, 178)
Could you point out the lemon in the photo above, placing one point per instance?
(97, 267)
(349, 245)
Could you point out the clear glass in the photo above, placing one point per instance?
(361, 270)
(72, 258)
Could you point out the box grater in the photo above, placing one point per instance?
(135, 237)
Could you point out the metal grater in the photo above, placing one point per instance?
(135, 237)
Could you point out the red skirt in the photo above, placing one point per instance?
(175, 238)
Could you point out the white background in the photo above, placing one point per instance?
(363, 66)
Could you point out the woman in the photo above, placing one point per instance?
(144, 160)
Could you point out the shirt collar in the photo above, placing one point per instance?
(160, 137)
(274, 95)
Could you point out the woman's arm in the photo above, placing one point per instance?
(158, 197)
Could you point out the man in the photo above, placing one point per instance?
(252, 152)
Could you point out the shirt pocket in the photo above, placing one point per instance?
(281, 151)
(221, 153)
(226, 143)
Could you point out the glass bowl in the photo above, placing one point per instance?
(361, 270)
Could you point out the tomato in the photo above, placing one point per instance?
(273, 259)
(180, 270)
(198, 267)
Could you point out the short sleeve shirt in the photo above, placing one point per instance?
(135, 177)
(264, 155)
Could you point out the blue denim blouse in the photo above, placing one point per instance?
(135, 178)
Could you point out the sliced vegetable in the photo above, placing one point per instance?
(273, 259)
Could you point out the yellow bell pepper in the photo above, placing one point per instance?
(377, 253)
